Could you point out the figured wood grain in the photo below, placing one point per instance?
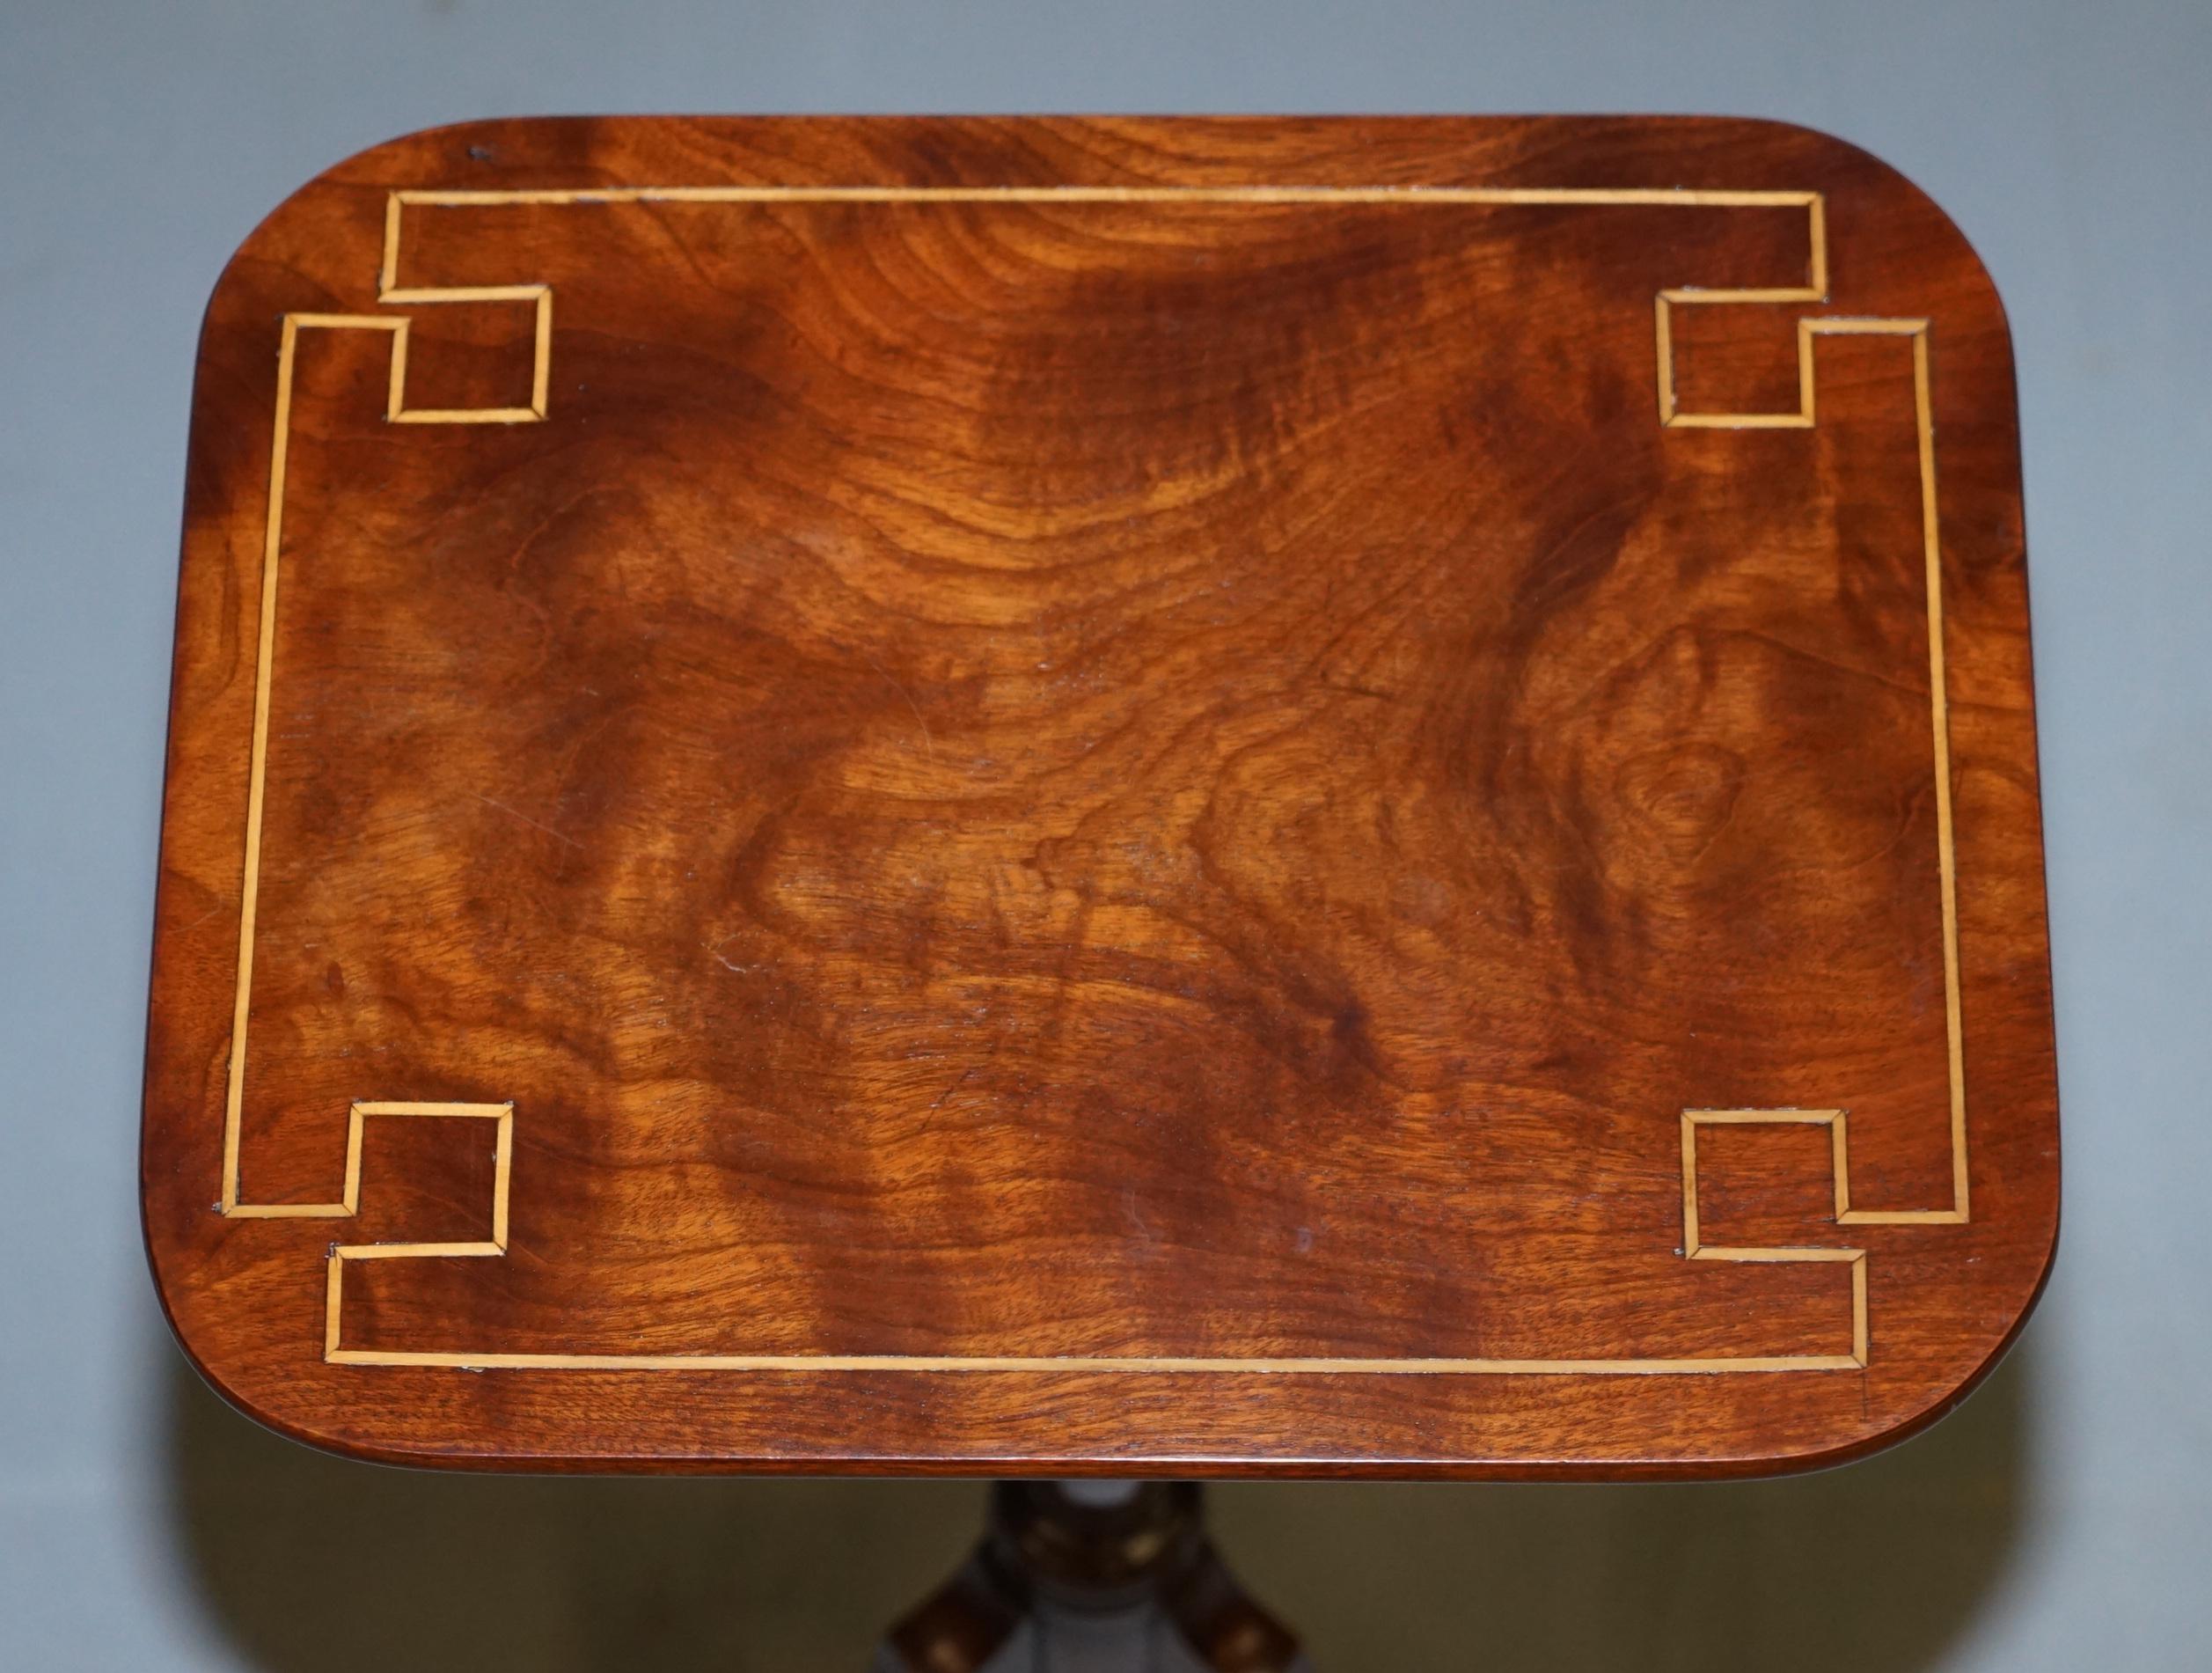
(1103, 795)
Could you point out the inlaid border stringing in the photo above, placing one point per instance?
(539, 297)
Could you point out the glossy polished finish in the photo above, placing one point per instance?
(1173, 796)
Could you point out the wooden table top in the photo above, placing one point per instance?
(1217, 796)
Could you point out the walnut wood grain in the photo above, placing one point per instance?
(1306, 796)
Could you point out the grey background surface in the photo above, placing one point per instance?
(2062, 1519)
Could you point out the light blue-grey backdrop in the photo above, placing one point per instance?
(2062, 1520)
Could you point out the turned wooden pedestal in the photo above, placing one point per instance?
(1092, 1577)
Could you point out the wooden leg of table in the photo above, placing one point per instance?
(1092, 1577)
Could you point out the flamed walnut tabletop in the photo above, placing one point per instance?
(1171, 796)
